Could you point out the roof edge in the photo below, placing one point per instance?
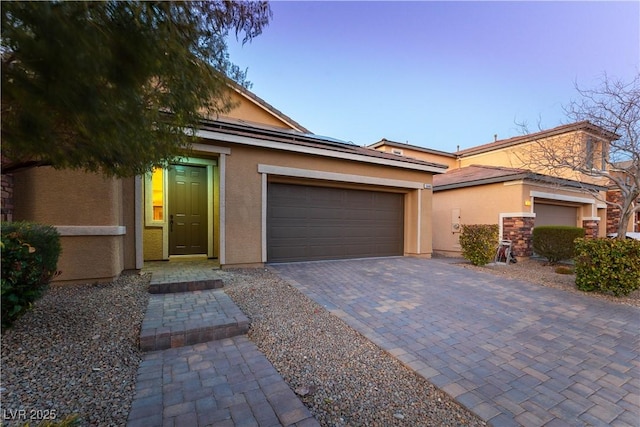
(385, 141)
(516, 140)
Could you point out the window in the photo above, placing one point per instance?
(155, 197)
(589, 154)
(396, 151)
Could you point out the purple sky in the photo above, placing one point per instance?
(436, 74)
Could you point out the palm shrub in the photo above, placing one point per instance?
(556, 242)
(609, 266)
(30, 255)
(479, 242)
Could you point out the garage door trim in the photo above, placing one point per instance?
(309, 222)
(339, 177)
(266, 170)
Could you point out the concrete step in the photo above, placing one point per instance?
(186, 286)
(180, 319)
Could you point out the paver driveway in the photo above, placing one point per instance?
(512, 352)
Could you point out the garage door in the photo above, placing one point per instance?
(314, 223)
(555, 214)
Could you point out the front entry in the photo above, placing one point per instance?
(188, 216)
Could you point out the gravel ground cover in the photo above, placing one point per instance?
(342, 377)
(76, 352)
(541, 273)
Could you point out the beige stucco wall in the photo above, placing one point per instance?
(477, 205)
(86, 200)
(243, 190)
(152, 244)
(252, 112)
(90, 258)
(531, 156)
(483, 205)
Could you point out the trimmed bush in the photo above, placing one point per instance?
(479, 242)
(30, 255)
(556, 242)
(608, 266)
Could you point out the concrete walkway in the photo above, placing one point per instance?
(512, 352)
(205, 371)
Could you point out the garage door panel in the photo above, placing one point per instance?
(307, 223)
(548, 214)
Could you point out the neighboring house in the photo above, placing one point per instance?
(258, 187)
(613, 212)
(500, 183)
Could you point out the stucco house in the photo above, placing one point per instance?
(502, 183)
(258, 187)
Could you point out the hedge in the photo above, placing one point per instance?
(608, 266)
(30, 255)
(479, 242)
(556, 242)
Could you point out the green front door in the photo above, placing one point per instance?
(187, 210)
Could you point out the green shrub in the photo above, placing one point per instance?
(556, 242)
(479, 242)
(608, 266)
(30, 255)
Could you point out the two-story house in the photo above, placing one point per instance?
(508, 182)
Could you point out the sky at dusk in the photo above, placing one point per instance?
(436, 74)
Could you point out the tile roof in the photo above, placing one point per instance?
(474, 175)
(478, 174)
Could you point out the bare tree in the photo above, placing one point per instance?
(605, 149)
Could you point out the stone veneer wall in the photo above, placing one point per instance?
(519, 230)
(591, 228)
(7, 198)
(613, 212)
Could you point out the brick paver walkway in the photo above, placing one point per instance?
(220, 383)
(512, 352)
(214, 382)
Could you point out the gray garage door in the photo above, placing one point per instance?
(554, 214)
(315, 223)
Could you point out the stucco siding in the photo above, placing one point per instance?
(244, 193)
(152, 244)
(88, 209)
(476, 205)
(90, 258)
(63, 197)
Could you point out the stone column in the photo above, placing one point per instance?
(590, 228)
(519, 230)
(7, 197)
